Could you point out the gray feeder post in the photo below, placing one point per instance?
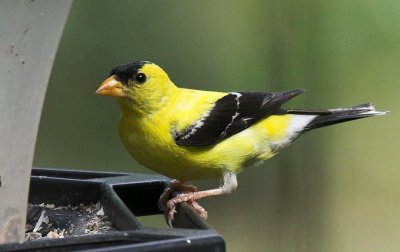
(29, 35)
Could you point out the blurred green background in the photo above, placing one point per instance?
(334, 189)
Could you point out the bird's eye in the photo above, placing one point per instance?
(140, 78)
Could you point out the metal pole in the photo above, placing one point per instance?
(29, 35)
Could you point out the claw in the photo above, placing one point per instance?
(190, 199)
(199, 209)
(188, 194)
(169, 215)
(174, 185)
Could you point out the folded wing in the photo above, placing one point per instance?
(231, 114)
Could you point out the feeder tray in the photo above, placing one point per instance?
(113, 201)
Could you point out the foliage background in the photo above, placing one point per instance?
(335, 189)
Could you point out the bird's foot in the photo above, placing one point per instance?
(174, 185)
(190, 198)
(199, 209)
(188, 195)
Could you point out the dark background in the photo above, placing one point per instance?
(335, 189)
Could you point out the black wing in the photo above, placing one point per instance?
(232, 114)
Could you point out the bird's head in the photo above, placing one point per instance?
(140, 85)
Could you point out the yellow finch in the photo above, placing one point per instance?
(188, 134)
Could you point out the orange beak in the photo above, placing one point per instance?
(111, 87)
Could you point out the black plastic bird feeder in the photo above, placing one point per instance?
(124, 197)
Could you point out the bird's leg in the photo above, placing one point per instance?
(228, 186)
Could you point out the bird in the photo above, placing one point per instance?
(187, 134)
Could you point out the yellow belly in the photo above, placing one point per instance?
(152, 145)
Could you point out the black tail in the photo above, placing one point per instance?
(332, 116)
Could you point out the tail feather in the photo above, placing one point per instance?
(333, 116)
